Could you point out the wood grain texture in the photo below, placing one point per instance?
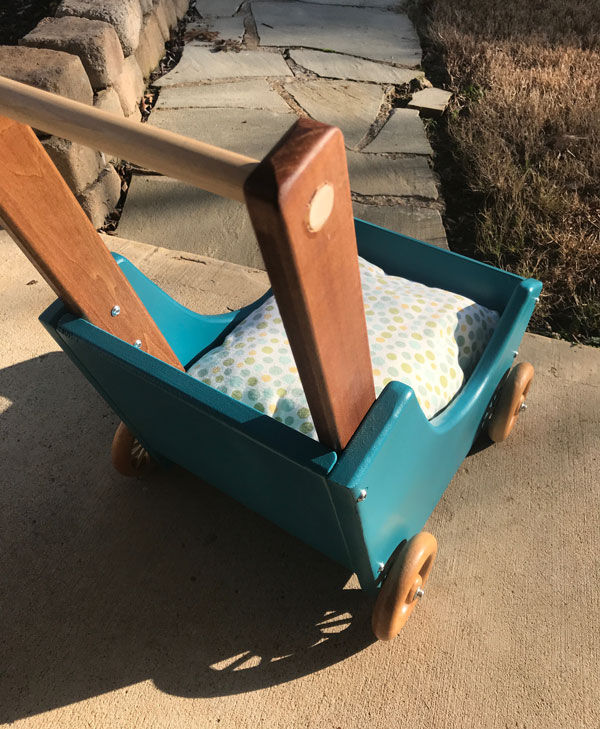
(203, 165)
(398, 595)
(315, 275)
(510, 401)
(45, 220)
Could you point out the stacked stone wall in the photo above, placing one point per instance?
(98, 52)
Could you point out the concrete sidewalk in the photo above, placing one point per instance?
(164, 604)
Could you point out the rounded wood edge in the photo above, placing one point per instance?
(128, 456)
(512, 397)
(398, 594)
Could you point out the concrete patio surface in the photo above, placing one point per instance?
(162, 603)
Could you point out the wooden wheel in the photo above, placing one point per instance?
(510, 402)
(403, 585)
(127, 454)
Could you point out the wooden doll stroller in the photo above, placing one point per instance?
(362, 492)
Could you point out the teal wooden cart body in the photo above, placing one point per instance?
(356, 506)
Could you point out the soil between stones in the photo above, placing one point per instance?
(18, 17)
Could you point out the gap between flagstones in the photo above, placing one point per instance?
(396, 188)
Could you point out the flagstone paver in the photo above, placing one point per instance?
(365, 32)
(252, 132)
(344, 68)
(251, 94)
(375, 175)
(349, 105)
(402, 133)
(339, 65)
(227, 28)
(431, 100)
(217, 8)
(421, 223)
(357, 3)
(199, 64)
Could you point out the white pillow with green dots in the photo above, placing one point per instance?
(428, 338)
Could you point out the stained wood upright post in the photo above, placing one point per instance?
(300, 206)
(40, 213)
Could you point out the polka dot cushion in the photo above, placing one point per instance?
(427, 338)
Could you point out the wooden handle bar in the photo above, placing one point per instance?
(211, 168)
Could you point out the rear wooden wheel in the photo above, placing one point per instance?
(128, 455)
(403, 585)
(510, 402)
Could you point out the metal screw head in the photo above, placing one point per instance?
(116, 310)
(523, 407)
(362, 495)
(419, 593)
(138, 343)
(380, 567)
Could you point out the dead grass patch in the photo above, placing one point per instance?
(524, 132)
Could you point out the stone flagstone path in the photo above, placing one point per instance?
(345, 62)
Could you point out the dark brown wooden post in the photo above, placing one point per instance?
(300, 206)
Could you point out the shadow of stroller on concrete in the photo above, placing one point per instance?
(107, 581)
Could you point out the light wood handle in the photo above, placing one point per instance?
(211, 168)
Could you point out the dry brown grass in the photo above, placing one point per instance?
(525, 134)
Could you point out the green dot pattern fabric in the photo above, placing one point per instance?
(428, 338)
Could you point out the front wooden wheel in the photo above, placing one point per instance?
(403, 585)
(510, 402)
(128, 455)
